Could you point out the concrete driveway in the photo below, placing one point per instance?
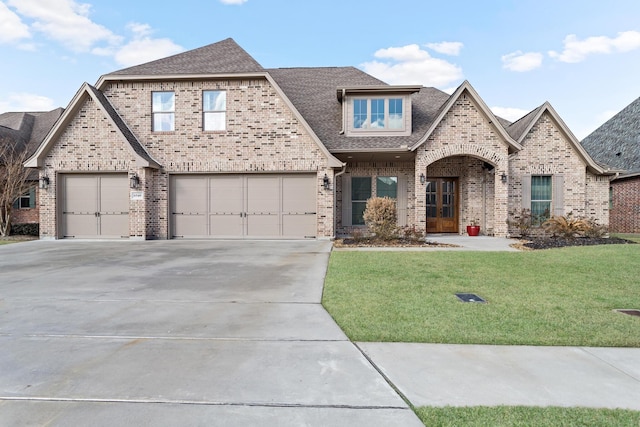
(179, 333)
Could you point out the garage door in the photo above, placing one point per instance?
(245, 206)
(95, 205)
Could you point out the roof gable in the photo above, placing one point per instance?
(530, 120)
(617, 141)
(86, 91)
(466, 87)
(224, 57)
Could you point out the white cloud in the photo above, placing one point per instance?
(446, 48)
(412, 65)
(509, 113)
(12, 28)
(233, 1)
(67, 22)
(144, 48)
(576, 50)
(518, 61)
(26, 102)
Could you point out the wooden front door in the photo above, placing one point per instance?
(442, 205)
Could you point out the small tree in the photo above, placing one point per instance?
(381, 217)
(13, 181)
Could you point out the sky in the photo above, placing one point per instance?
(581, 56)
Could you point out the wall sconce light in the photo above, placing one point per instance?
(325, 182)
(43, 183)
(503, 177)
(134, 181)
(423, 179)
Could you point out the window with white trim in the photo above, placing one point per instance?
(26, 201)
(214, 110)
(163, 108)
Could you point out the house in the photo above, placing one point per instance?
(617, 144)
(26, 131)
(208, 143)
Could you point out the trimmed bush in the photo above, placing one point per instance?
(32, 229)
(381, 217)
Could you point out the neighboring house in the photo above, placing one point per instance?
(27, 130)
(208, 143)
(617, 144)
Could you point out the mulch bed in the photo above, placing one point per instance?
(561, 242)
(398, 243)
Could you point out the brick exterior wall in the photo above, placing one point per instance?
(27, 215)
(466, 139)
(263, 136)
(625, 210)
(547, 151)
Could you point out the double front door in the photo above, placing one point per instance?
(442, 205)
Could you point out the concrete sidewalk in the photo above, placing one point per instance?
(457, 242)
(484, 375)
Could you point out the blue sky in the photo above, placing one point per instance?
(582, 56)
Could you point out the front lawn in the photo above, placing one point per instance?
(551, 297)
(526, 416)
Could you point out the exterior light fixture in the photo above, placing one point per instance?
(423, 179)
(503, 177)
(134, 181)
(325, 182)
(43, 182)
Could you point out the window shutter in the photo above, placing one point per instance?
(346, 200)
(558, 195)
(402, 200)
(526, 192)
(32, 197)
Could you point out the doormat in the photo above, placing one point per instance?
(470, 298)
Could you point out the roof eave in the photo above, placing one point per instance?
(106, 78)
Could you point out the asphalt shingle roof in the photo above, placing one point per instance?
(617, 142)
(28, 129)
(223, 57)
(516, 128)
(313, 92)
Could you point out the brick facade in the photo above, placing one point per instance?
(263, 136)
(625, 209)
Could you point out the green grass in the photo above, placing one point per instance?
(551, 297)
(628, 236)
(526, 416)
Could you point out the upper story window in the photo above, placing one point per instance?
(378, 114)
(163, 108)
(214, 108)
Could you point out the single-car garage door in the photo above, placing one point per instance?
(94, 205)
(260, 205)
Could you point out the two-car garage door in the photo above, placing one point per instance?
(248, 205)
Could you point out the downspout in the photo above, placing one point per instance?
(335, 200)
(344, 118)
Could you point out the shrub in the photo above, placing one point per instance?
(381, 217)
(566, 226)
(596, 230)
(409, 233)
(523, 220)
(31, 229)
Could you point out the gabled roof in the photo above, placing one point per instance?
(444, 109)
(521, 128)
(28, 129)
(224, 57)
(617, 141)
(86, 91)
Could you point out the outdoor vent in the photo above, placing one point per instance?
(469, 298)
(630, 312)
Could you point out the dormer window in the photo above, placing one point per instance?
(378, 113)
(377, 110)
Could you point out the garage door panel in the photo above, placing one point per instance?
(225, 195)
(298, 194)
(263, 194)
(114, 194)
(225, 225)
(79, 225)
(80, 194)
(114, 226)
(298, 225)
(186, 225)
(263, 225)
(190, 195)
